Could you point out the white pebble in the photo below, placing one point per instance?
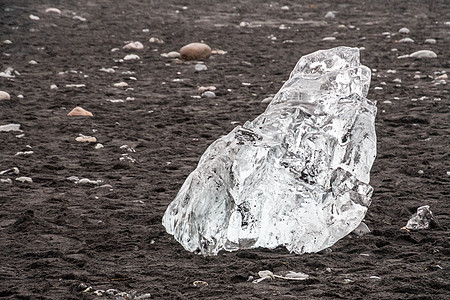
(145, 30)
(74, 86)
(7, 180)
(4, 95)
(115, 49)
(386, 33)
(200, 67)
(78, 18)
(98, 146)
(115, 100)
(404, 30)
(120, 84)
(387, 102)
(134, 46)
(156, 40)
(244, 24)
(32, 62)
(24, 179)
(378, 88)
(330, 15)
(131, 57)
(284, 8)
(53, 10)
(24, 153)
(420, 172)
(8, 42)
(107, 70)
(208, 94)
(423, 54)
(35, 18)
(430, 41)
(397, 80)
(202, 89)
(329, 38)
(375, 277)
(417, 76)
(406, 40)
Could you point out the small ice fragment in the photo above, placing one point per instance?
(284, 7)
(107, 70)
(200, 67)
(53, 10)
(14, 170)
(330, 15)
(75, 85)
(24, 179)
(131, 57)
(397, 80)
(208, 94)
(244, 24)
(267, 100)
(86, 139)
(120, 84)
(375, 277)
(422, 219)
(403, 30)
(8, 73)
(430, 41)
(423, 54)
(202, 89)
(362, 229)
(386, 33)
(78, 18)
(329, 38)
(89, 181)
(406, 40)
(7, 180)
(10, 127)
(24, 153)
(246, 83)
(8, 42)
(98, 146)
(34, 18)
(115, 100)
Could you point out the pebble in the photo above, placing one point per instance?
(32, 62)
(120, 84)
(156, 40)
(86, 139)
(53, 10)
(131, 57)
(107, 70)
(78, 18)
(403, 30)
(406, 40)
(4, 95)
(14, 170)
(208, 94)
(24, 153)
(7, 180)
(423, 54)
(397, 80)
(284, 8)
(53, 87)
(330, 15)
(75, 85)
(219, 52)
(10, 127)
(375, 277)
(430, 41)
(173, 54)
(8, 42)
(329, 38)
(134, 46)
(99, 146)
(35, 18)
(24, 179)
(202, 89)
(195, 51)
(244, 24)
(200, 67)
(79, 111)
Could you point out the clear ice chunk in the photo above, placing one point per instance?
(295, 176)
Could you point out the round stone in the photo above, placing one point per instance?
(4, 96)
(195, 51)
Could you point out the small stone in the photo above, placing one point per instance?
(202, 89)
(173, 54)
(219, 52)
(397, 80)
(375, 277)
(208, 94)
(78, 18)
(86, 139)
(200, 67)
(53, 10)
(430, 41)
(121, 84)
(199, 283)
(244, 24)
(156, 40)
(330, 15)
(329, 38)
(24, 179)
(403, 30)
(10, 127)
(406, 40)
(99, 146)
(284, 7)
(328, 270)
(195, 51)
(131, 57)
(423, 54)
(4, 95)
(34, 18)
(32, 62)
(53, 87)
(7, 42)
(74, 86)
(134, 46)
(79, 111)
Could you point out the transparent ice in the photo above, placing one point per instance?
(296, 176)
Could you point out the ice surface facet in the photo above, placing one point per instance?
(296, 176)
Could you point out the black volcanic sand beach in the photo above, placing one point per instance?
(59, 237)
